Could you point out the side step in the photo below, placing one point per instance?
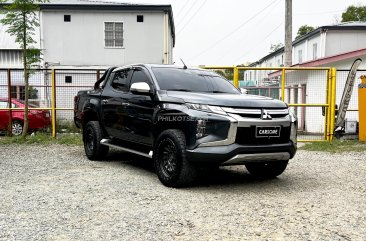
(108, 142)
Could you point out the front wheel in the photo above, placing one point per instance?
(92, 135)
(267, 170)
(170, 160)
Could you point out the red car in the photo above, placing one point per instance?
(38, 119)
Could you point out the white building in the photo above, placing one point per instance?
(83, 34)
(327, 46)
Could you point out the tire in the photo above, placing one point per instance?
(170, 160)
(92, 135)
(17, 128)
(267, 170)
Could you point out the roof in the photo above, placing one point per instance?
(87, 5)
(354, 25)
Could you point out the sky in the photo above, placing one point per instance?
(231, 32)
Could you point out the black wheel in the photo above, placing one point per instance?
(92, 135)
(267, 170)
(171, 164)
(17, 128)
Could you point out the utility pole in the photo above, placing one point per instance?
(288, 33)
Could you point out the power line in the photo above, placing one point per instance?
(188, 11)
(261, 20)
(182, 9)
(235, 30)
(258, 44)
(189, 20)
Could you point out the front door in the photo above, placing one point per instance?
(140, 110)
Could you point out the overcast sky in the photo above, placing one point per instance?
(230, 32)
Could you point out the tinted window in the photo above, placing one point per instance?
(120, 80)
(140, 76)
(192, 80)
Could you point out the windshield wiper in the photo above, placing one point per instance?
(185, 90)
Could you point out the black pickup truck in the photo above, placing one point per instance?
(184, 118)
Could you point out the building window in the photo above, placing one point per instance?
(17, 92)
(67, 18)
(140, 18)
(299, 53)
(315, 51)
(113, 34)
(68, 79)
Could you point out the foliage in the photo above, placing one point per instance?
(336, 146)
(303, 30)
(43, 139)
(275, 47)
(21, 20)
(354, 13)
(33, 93)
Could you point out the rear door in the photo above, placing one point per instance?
(113, 103)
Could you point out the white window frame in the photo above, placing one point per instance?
(114, 39)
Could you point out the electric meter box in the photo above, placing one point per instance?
(351, 126)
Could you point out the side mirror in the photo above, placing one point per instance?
(140, 88)
(243, 91)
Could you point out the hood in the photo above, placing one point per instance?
(226, 100)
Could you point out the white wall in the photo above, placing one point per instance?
(81, 41)
(338, 42)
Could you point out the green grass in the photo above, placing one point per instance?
(43, 139)
(336, 146)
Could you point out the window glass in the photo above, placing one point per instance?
(3, 104)
(113, 34)
(140, 76)
(192, 80)
(120, 80)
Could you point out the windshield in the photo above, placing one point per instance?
(192, 81)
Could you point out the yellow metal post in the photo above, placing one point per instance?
(53, 103)
(362, 109)
(328, 112)
(283, 84)
(236, 77)
(332, 103)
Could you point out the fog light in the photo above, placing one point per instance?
(201, 126)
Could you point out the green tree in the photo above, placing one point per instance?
(303, 30)
(354, 13)
(21, 20)
(275, 47)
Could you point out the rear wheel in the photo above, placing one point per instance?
(267, 170)
(17, 128)
(171, 163)
(92, 135)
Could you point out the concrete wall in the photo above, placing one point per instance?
(81, 41)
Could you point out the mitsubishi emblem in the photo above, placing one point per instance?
(266, 116)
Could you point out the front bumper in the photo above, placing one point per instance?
(236, 154)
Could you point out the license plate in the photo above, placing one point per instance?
(267, 131)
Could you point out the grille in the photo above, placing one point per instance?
(246, 136)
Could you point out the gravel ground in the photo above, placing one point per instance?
(55, 193)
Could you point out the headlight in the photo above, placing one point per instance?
(207, 108)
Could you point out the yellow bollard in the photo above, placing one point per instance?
(362, 108)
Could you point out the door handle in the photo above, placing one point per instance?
(105, 101)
